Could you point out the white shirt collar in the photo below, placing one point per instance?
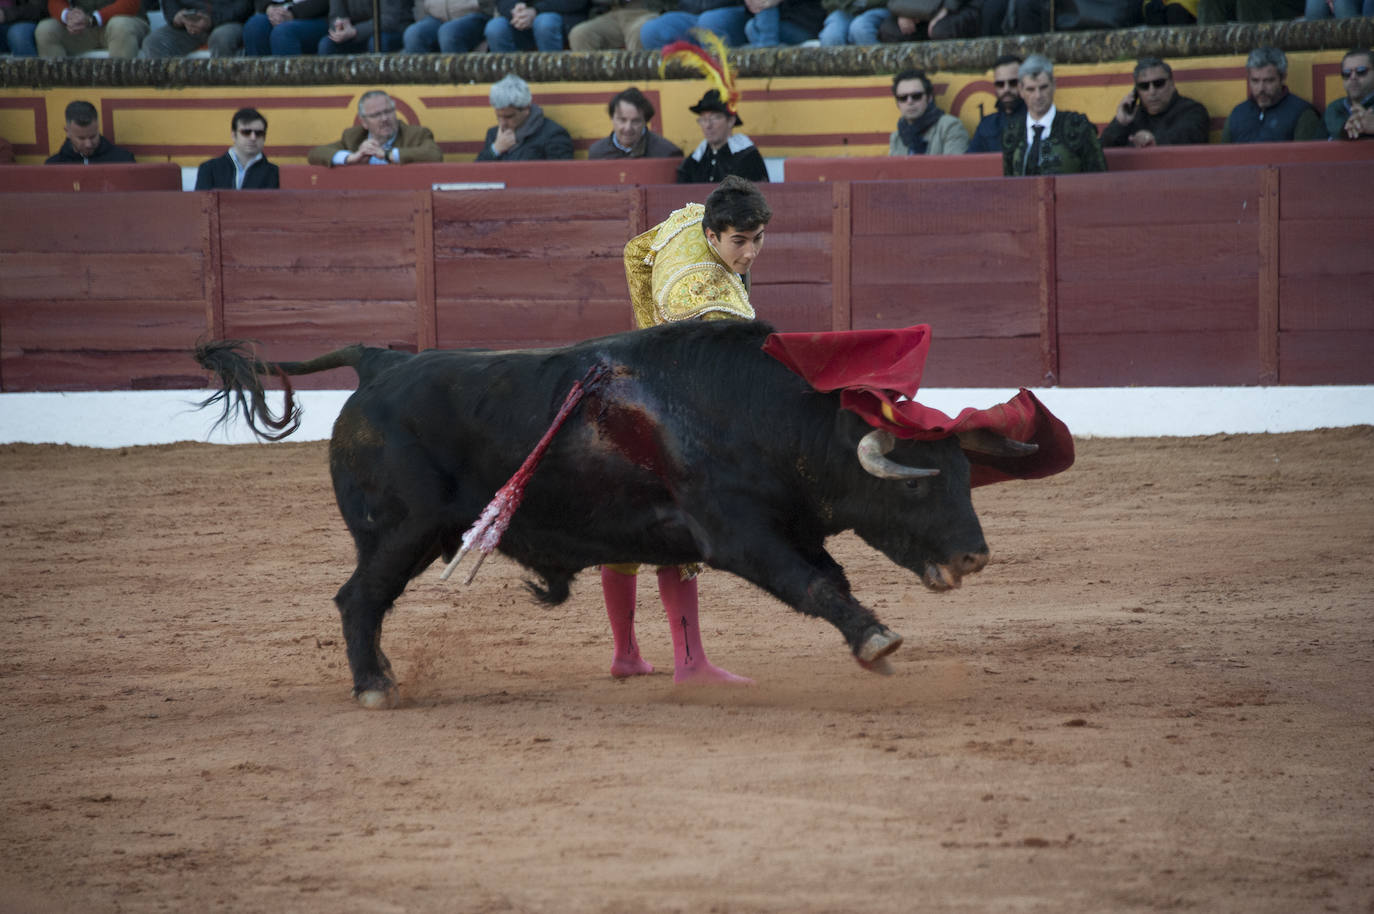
(1047, 121)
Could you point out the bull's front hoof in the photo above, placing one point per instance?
(882, 666)
(877, 646)
(378, 699)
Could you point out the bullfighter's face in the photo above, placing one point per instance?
(737, 247)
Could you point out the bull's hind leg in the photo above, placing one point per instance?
(363, 602)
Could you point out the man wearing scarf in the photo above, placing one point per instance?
(522, 132)
(923, 128)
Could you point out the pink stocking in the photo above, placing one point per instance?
(689, 658)
(619, 591)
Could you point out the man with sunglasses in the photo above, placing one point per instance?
(1154, 114)
(1271, 114)
(244, 166)
(380, 140)
(1352, 117)
(923, 128)
(988, 136)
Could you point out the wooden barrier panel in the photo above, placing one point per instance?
(1153, 278)
(102, 292)
(966, 257)
(103, 178)
(307, 273)
(1325, 274)
(533, 267)
(1234, 155)
(424, 175)
(894, 168)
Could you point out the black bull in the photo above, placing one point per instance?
(694, 447)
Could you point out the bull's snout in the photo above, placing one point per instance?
(949, 575)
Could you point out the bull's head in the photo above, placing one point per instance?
(937, 535)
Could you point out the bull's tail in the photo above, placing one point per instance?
(239, 373)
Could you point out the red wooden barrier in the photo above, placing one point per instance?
(38, 178)
(424, 175)
(1215, 276)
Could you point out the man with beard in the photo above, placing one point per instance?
(1154, 114)
(1352, 117)
(923, 128)
(988, 136)
(380, 140)
(522, 132)
(84, 144)
(1043, 140)
(722, 151)
(630, 136)
(1271, 114)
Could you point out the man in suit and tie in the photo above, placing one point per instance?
(1043, 140)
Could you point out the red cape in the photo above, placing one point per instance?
(878, 373)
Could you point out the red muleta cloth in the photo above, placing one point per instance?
(878, 373)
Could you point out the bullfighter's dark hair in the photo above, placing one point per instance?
(736, 204)
(634, 97)
(912, 74)
(1149, 63)
(246, 116)
(81, 113)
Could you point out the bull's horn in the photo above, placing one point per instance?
(986, 441)
(871, 449)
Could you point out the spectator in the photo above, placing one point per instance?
(1352, 117)
(286, 28)
(1154, 114)
(935, 20)
(380, 140)
(351, 26)
(722, 151)
(779, 22)
(614, 25)
(84, 144)
(630, 136)
(192, 23)
(447, 26)
(244, 166)
(852, 21)
(692, 266)
(1212, 12)
(18, 22)
(723, 18)
(522, 132)
(86, 25)
(1043, 140)
(1340, 9)
(923, 129)
(988, 136)
(1271, 114)
(542, 25)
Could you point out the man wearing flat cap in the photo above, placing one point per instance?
(722, 152)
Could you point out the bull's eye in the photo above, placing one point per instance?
(921, 486)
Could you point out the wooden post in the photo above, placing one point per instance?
(841, 232)
(1268, 313)
(1049, 279)
(426, 305)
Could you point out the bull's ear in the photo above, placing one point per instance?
(984, 441)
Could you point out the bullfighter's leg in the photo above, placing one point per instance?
(619, 590)
(689, 657)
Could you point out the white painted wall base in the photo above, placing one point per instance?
(129, 418)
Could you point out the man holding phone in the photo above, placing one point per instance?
(1154, 114)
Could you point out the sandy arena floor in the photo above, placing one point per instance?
(1159, 696)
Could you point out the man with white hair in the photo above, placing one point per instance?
(1042, 140)
(1271, 114)
(522, 132)
(380, 139)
